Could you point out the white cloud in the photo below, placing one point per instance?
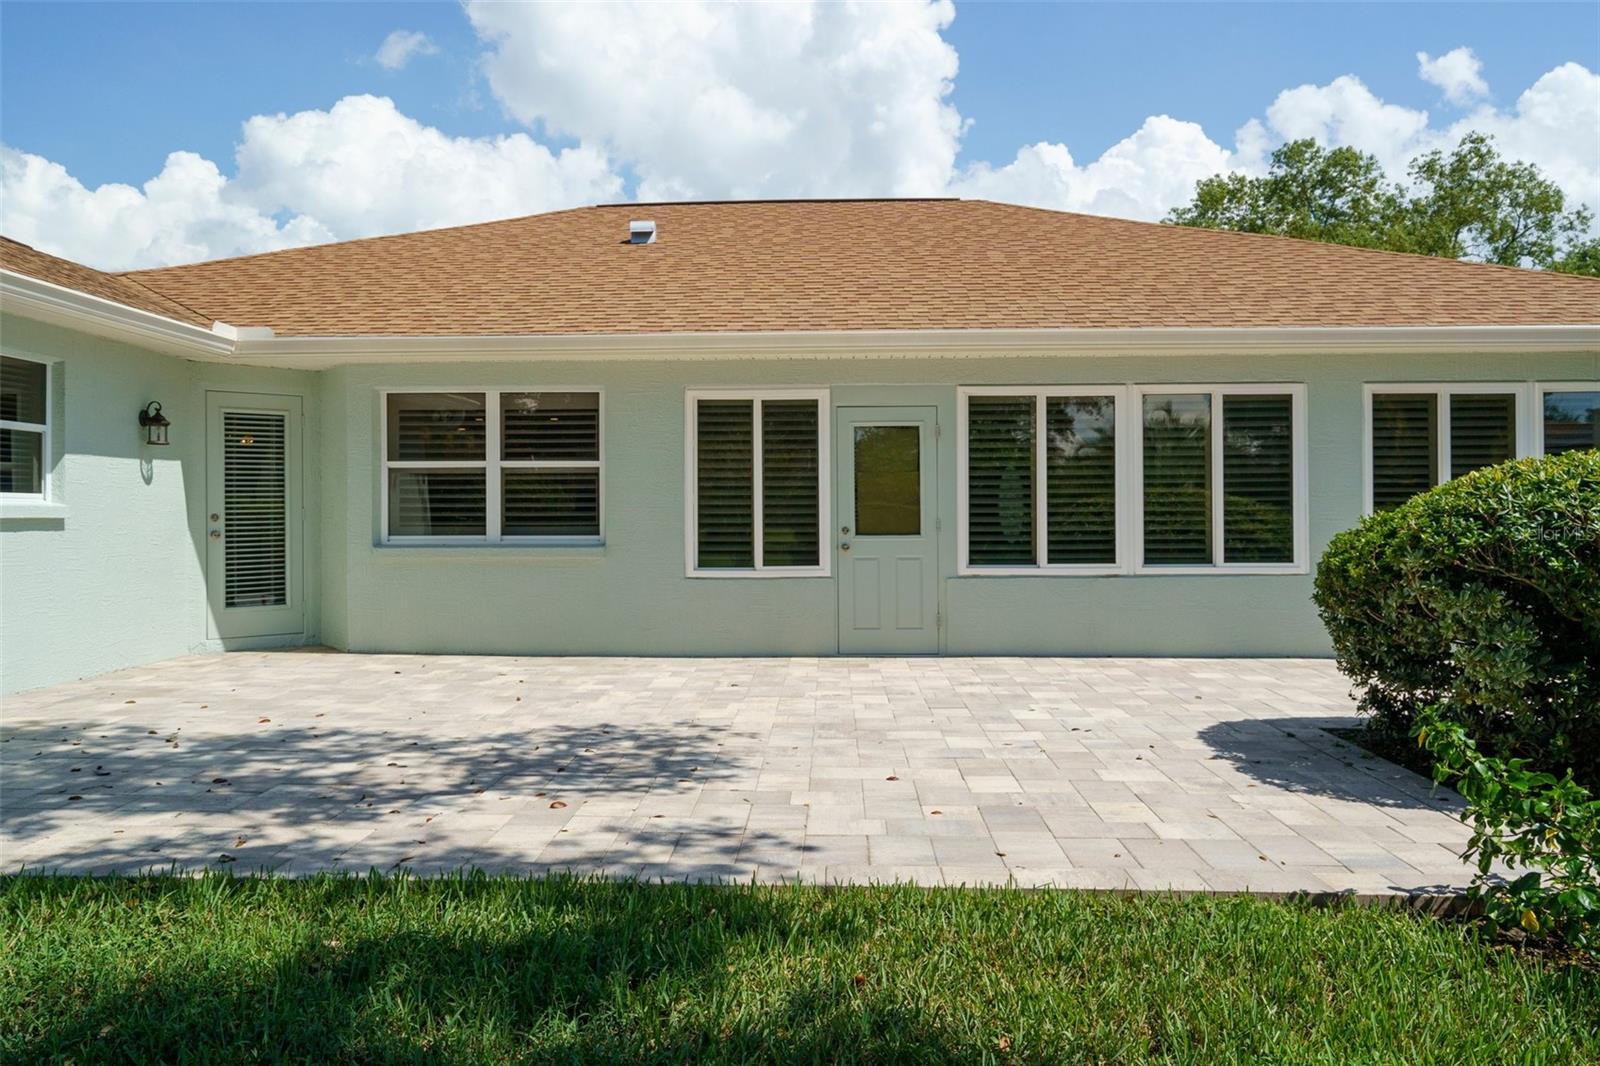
(707, 100)
(401, 46)
(358, 169)
(1458, 72)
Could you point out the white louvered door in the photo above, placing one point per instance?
(253, 524)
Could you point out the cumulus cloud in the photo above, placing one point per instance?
(358, 169)
(707, 100)
(401, 46)
(1458, 72)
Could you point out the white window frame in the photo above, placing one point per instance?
(1041, 394)
(43, 429)
(492, 465)
(1526, 446)
(691, 487)
(1543, 388)
(1300, 452)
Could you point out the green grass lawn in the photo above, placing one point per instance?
(490, 970)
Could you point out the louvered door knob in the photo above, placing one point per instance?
(216, 534)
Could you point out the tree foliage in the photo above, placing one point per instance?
(1469, 203)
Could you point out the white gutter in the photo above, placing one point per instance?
(855, 344)
(258, 346)
(62, 306)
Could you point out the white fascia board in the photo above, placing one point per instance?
(317, 352)
(62, 306)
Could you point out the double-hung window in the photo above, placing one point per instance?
(1222, 478)
(24, 429)
(493, 466)
(757, 471)
(1038, 469)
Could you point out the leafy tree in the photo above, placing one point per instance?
(1467, 204)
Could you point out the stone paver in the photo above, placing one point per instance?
(1209, 775)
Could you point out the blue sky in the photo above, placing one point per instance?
(106, 92)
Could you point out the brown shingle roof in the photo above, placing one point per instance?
(848, 265)
(25, 259)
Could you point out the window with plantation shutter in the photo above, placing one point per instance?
(1420, 435)
(1080, 480)
(1000, 475)
(758, 484)
(1257, 479)
(1404, 441)
(493, 467)
(24, 427)
(1177, 479)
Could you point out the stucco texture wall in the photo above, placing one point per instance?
(633, 597)
(120, 578)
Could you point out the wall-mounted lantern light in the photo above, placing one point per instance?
(154, 422)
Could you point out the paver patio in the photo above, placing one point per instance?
(1099, 773)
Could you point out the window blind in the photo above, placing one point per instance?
(789, 500)
(550, 503)
(437, 503)
(1000, 473)
(725, 484)
(22, 391)
(23, 400)
(437, 427)
(1080, 480)
(1177, 479)
(1257, 479)
(255, 509)
(1483, 431)
(1404, 436)
(550, 426)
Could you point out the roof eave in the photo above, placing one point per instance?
(59, 305)
(317, 352)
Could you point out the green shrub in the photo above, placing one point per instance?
(1528, 820)
(1481, 596)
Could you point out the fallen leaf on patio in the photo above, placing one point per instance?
(151, 732)
(1001, 854)
(935, 812)
(130, 701)
(557, 805)
(238, 842)
(225, 857)
(260, 720)
(891, 777)
(219, 780)
(101, 773)
(71, 798)
(76, 769)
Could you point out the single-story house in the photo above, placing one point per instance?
(807, 427)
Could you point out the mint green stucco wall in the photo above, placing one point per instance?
(632, 596)
(120, 579)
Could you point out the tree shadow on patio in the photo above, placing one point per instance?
(1299, 755)
(128, 797)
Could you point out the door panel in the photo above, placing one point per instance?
(253, 515)
(886, 474)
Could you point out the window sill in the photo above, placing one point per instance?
(510, 553)
(33, 509)
(759, 575)
(1138, 571)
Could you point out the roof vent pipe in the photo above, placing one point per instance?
(641, 231)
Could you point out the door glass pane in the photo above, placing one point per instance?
(255, 506)
(888, 465)
(1081, 479)
(1404, 436)
(791, 513)
(1571, 421)
(1177, 479)
(1257, 479)
(1483, 431)
(1000, 462)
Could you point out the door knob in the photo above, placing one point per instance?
(216, 534)
(844, 547)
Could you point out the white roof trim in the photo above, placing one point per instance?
(63, 306)
(259, 346)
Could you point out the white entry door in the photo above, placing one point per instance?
(887, 548)
(253, 534)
